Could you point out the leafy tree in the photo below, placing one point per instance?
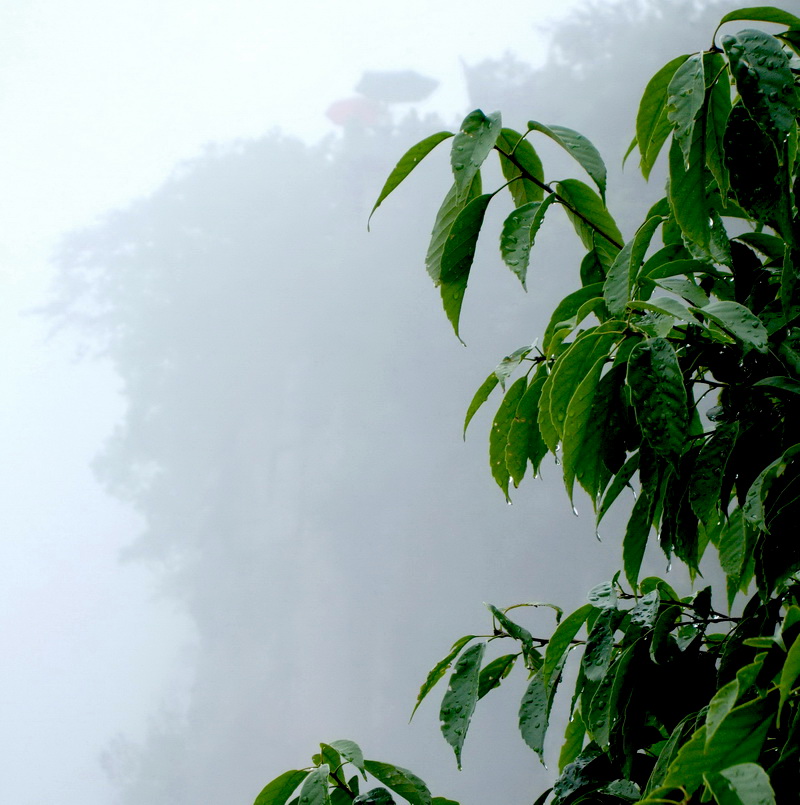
(674, 367)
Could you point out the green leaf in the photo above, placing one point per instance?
(620, 481)
(599, 646)
(717, 111)
(445, 218)
(494, 673)
(738, 739)
(658, 396)
(743, 784)
(666, 305)
(623, 271)
(756, 177)
(533, 715)
(401, 781)
(789, 674)
(603, 595)
(761, 14)
(439, 670)
(765, 82)
(636, 534)
(575, 422)
(685, 95)
(573, 741)
(524, 439)
(709, 470)
(481, 395)
(281, 788)
(351, 751)
(569, 370)
(582, 150)
(498, 436)
(652, 124)
(458, 703)
(458, 254)
(786, 384)
(738, 321)
(471, 145)
(407, 163)
(519, 234)
(687, 194)
(377, 796)
(533, 658)
(315, 787)
(509, 364)
(594, 224)
(512, 145)
(559, 644)
(566, 310)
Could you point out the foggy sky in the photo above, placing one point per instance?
(280, 530)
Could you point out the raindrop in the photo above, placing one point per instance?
(633, 492)
(575, 511)
(597, 536)
(510, 503)
(669, 566)
(459, 166)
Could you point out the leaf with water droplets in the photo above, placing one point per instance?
(401, 781)
(519, 234)
(315, 787)
(459, 702)
(635, 540)
(445, 218)
(685, 95)
(566, 311)
(739, 321)
(742, 784)
(407, 163)
(599, 645)
(498, 436)
(687, 191)
(495, 672)
(559, 644)
(658, 396)
(281, 788)
(524, 439)
(581, 149)
(717, 110)
(471, 145)
(709, 470)
(350, 751)
(765, 82)
(458, 254)
(533, 715)
(652, 125)
(439, 670)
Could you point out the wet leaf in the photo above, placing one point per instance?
(494, 673)
(533, 715)
(481, 395)
(498, 436)
(652, 124)
(658, 396)
(561, 641)
(439, 670)
(519, 233)
(458, 254)
(685, 95)
(458, 703)
(524, 439)
(471, 145)
(281, 788)
(743, 784)
(351, 751)
(407, 163)
(315, 787)
(739, 321)
(580, 148)
(401, 781)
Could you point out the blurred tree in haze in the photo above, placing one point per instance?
(290, 433)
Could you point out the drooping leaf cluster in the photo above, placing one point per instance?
(673, 368)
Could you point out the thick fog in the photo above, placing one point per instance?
(239, 515)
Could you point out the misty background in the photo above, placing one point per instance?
(239, 516)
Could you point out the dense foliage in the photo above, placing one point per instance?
(673, 368)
